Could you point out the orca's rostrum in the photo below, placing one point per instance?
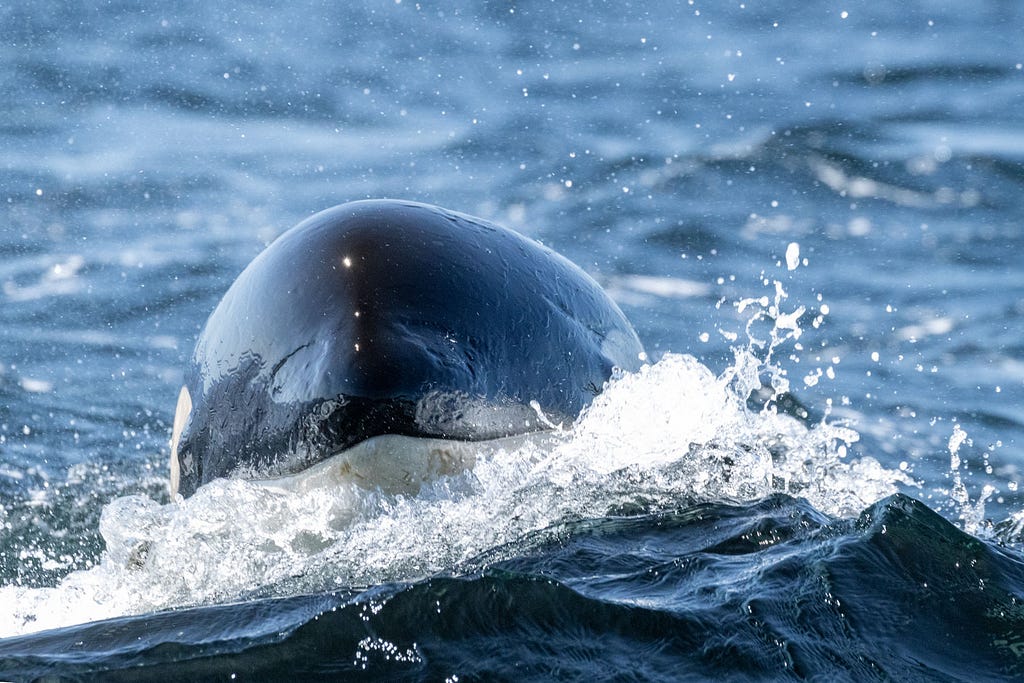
(390, 319)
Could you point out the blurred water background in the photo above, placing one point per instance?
(842, 178)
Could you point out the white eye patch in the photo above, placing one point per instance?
(181, 413)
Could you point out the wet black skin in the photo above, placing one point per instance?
(388, 317)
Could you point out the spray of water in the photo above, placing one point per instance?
(970, 513)
(672, 434)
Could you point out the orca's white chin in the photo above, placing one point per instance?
(397, 464)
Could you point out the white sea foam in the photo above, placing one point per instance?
(673, 433)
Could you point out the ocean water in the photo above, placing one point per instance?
(820, 198)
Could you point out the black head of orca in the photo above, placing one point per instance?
(390, 317)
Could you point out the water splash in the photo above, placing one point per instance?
(971, 514)
(672, 434)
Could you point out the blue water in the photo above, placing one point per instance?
(860, 161)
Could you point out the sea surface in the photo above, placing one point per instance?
(813, 213)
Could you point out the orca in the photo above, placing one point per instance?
(384, 320)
